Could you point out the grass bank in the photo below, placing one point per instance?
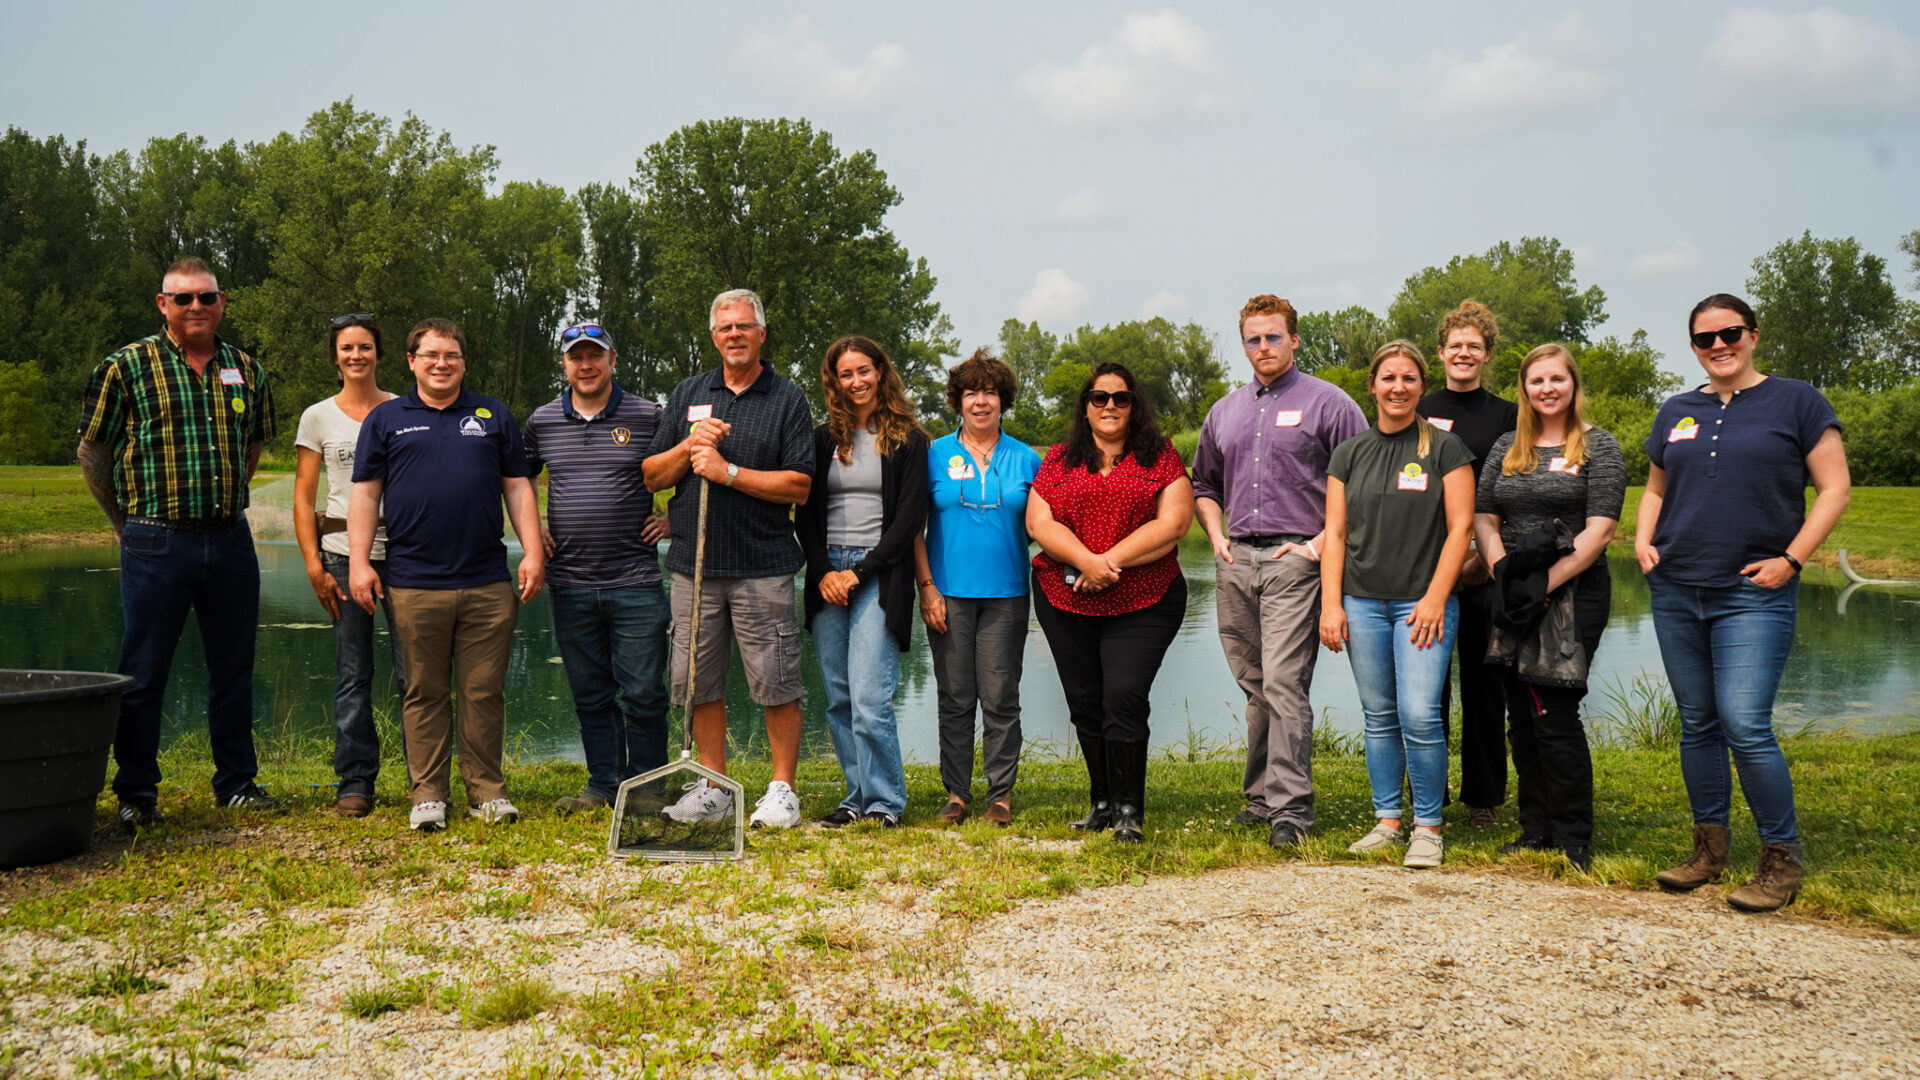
(194, 948)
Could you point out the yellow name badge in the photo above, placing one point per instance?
(239, 405)
(484, 414)
(1684, 430)
(1412, 478)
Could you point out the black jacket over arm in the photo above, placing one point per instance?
(903, 516)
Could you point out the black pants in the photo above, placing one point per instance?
(1551, 761)
(1107, 662)
(1483, 746)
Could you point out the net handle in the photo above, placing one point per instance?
(693, 634)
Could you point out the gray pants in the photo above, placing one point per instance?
(978, 661)
(1269, 613)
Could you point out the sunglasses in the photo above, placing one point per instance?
(591, 331)
(186, 299)
(1122, 399)
(1273, 341)
(1728, 335)
(358, 318)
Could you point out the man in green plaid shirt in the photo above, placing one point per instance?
(171, 430)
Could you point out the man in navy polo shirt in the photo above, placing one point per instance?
(609, 609)
(749, 433)
(442, 459)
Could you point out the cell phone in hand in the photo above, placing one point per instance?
(1072, 578)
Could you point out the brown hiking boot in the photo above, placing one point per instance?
(1774, 884)
(1708, 862)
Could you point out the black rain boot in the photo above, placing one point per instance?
(1100, 818)
(1127, 775)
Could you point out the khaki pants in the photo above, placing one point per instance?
(1269, 615)
(443, 633)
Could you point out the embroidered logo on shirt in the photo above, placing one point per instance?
(411, 430)
(471, 425)
(1684, 430)
(621, 436)
(1440, 422)
(1412, 478)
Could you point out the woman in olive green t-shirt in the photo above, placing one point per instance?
(1399, 512)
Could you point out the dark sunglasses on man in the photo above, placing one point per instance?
(1728, 335)
(1122, 399)
(586, 330)
(186, 299)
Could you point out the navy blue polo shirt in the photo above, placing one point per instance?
(597, 497)
(772, 431)
(442, 471)
(1736, 477)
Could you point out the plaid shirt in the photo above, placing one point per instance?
(180, 441)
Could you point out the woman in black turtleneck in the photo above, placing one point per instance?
(1476, 417)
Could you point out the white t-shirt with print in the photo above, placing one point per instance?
(330, 432)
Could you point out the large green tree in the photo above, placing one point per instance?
(1345, 338)
(1828, 315)
(774, 206)
(531, 237)
(1530, 285)
(1176, 365)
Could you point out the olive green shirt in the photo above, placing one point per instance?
(1396, 509)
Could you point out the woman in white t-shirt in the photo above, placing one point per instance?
(328, 431)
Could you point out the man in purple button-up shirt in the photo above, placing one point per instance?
(1260, 479)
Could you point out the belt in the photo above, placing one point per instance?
(330, 525)
(188, 525)
(1271, 539)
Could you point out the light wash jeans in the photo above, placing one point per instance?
(860, 666)
(1724, 650)
(1400, 698)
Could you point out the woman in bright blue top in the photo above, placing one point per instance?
(972, 572)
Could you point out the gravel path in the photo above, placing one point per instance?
(1362, 972)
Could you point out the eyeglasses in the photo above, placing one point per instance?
(434, 357)
(983, 504)
(728, 328)
(1728, 335)
(186, 299)
(587, 330)
(341, 322)
(1122, 399)
(1272, 341)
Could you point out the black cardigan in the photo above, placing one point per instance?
(903, 516)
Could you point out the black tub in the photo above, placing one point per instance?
(55, 730)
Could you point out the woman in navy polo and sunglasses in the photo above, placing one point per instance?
(1723, 532)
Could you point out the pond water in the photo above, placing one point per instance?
(1853, 666)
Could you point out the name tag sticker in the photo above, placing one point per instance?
(231, 376)
(697, 413)
(1684, 430)
(1287, 418)
(1440, 422)
(960, 472)
(1411, 478)
(1561, 464)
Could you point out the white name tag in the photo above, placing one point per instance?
(697, 413)
(1440, 422)
(231, 376)
(1411, 483)
(1561, 464)
(1287, 418)
(960, 472)
(1682, 434)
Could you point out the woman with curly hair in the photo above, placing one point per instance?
(867, 504)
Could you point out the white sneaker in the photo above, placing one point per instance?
(779, 808)
(428, 816)
(701, 803)
(495, 811)
(1380, 837)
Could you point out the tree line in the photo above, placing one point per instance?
(359, 212)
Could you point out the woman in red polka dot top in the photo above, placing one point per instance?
(1108, 508)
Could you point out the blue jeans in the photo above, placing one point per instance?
(165, 573)
(1400, 690)
(356, 744)
(613, 643)
(1724, 650)
(860, 665)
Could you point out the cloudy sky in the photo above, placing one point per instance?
(1083, 162)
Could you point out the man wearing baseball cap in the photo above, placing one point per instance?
(610, 613)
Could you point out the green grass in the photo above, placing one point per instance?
(42, 505)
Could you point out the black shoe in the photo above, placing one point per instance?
(841, 816)
(883, 819)
(1579, 856)
(1098, 819)
(1127, 783)
(138, 813)
(1527, 842)
(1284, 835)
(253, 797)
(1245, 817)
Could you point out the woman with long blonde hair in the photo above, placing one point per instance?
(867, 505)
(1554, 469)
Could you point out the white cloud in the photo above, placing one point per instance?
(1820, 68)
(1153, 66)
(803, 59)
(1054, 298)
(1165, 304)
(1677, 258)
(1087, 204)
(1535, 81)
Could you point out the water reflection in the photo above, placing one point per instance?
(61, 610)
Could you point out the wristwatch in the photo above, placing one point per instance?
(733, 473)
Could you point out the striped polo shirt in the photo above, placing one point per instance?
(597, 499)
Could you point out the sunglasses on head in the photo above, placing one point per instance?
(590, 331)
(1122, 399)
(358, 318)
(186, 299)
(1728, 335)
